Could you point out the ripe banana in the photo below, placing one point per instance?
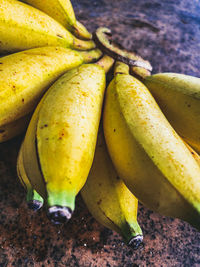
(108, 199)
(23, 27)
(34, 200)
(62, 11)
(148, 155)
(60, 141)
(25, 76)
(178, 96)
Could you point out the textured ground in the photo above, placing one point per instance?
(168, 34)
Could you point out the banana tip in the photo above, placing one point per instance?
(35, 204)
(59, 214)
(135, 241)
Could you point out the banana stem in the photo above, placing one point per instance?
(108, 46)
(81, 32)
(83, 45)
(121, 68)
(140, 72)
(91, 56)
(106, 62)
(140, 67)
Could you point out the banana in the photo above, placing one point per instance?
(34, 200)
(60, 141)
(14, 128)
(25, 76)
(62, 11)
(148, 154)
(108, 199)
(178, 96)
(23, 27)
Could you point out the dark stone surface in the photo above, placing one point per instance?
(168, 34)
(165, 32)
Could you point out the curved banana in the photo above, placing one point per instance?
(147, 153)
(34, 200)
(108, 199)
(62, 11)
(60, 141)
(25, 76)
(23, 27)
(178, 96)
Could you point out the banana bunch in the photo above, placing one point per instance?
(62, 135)
(148, 154)
(23, 27)
(158, 166)
(62, 11)
(58, 92)
(45, 40)
(64, 115)
(24, 78)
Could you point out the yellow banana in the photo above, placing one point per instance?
(34, 200)
(108, 199)
(23, 27)
(178, 96)
(62, 11)
(25, 76)
(60, 141)
(147, 153)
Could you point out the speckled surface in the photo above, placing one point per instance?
(168, 34)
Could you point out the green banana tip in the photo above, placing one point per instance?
(135, 241)
(59, 214)
(34, 204)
